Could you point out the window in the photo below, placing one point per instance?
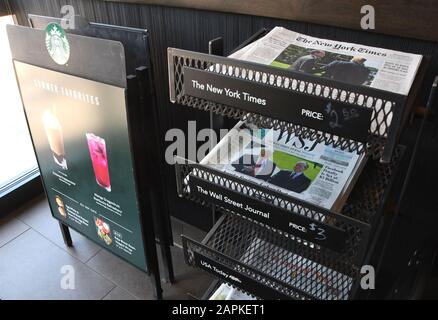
(17, 158)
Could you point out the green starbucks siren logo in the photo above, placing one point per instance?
(57, 44)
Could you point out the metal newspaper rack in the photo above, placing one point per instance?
(342, 235)
(355, 118)
(264, 271)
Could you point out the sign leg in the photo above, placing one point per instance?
(66, 234)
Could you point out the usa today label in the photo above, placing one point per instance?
(240, 280)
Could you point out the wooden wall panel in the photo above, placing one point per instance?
(407, 18)
(4, 10)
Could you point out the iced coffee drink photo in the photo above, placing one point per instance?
(97, 148)
(55, 137)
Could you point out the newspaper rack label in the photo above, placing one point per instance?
(290, 222)
(333, 117)
(236, 278)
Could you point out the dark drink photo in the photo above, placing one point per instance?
(97, 148)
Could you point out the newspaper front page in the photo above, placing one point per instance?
(352, 63)
(304, 169)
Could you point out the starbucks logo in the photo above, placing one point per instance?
(57, 44)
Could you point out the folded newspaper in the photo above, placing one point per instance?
(302, 168)
(296, 271)
(226, 292)
(307, 170)
(352, 63)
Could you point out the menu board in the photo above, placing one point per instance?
(80, 135)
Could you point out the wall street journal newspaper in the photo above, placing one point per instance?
(352, 63)
(307, 170)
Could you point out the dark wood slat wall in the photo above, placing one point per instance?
(192, 29)
(391, 16)
(4, 10)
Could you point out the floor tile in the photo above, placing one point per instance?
(30, 268)
(189, 281)
(123, 274)
(119, 294)
(40, 219)
(10, 229)
(129, 278)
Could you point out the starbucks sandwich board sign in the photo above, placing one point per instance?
(57, 43)
(74, 98)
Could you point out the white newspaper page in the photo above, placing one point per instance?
(222, 292)
(226, 292)
(352, 63)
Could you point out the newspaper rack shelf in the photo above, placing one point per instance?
(350, 117)
(265, 243)
(266, 265)
(343, 236)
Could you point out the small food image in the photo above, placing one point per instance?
(62, 212)
(59, 201)
(103, 230)
(61, 207)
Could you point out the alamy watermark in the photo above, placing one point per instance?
(368, 20)
(68, 277)
(68, 17)
(194, 145)
(368, 278)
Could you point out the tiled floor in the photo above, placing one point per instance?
(32, 254)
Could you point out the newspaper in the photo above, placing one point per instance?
(352, 63)
(303, 274)
(308, 170)
(226, 292)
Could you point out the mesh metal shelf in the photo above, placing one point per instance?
(347, 233)
(268, 266)
(387, 109)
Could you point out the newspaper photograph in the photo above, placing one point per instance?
(351, 63)
(304, 169)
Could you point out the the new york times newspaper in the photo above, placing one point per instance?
(352, 63)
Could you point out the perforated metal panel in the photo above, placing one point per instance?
(272, 262)
(387, 108)
(362, 207)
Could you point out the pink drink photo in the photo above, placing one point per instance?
(97, 148)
